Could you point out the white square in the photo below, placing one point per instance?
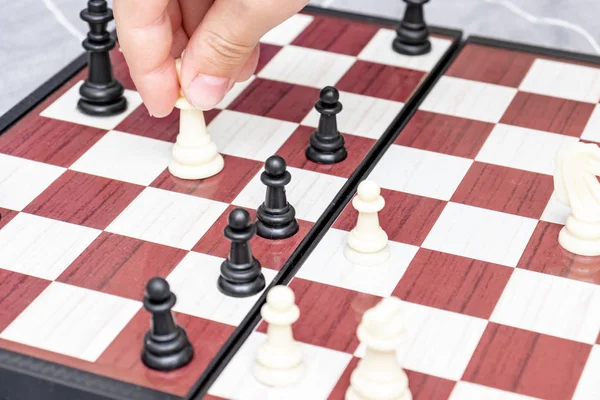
(194, 280)
(556, 211)
(323, 368)
(126, 157)
(437, 342)
(420, 172)
(65, 109)
(523, 148)
(309, 192)
(469, 99)
(287, 31)
(362, 115)
(308, 67)
(23, 180)
(551, 305)
(481, 234)
(589, 384)
(42, 247)
(235, 91)
(560, 79)
(327, 264)
(592, 128)
(73, 321)
(249, 136)
(379, 50)
(472, 391)
(169, 218)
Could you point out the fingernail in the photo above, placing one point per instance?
(205, 92)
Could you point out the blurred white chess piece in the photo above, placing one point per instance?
(576, 185)
(378, 374)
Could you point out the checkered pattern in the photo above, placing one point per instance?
(493, 307)
(90, 212)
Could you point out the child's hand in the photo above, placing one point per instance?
(220, 39)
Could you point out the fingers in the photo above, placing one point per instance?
(145, 32)
(250, 66)
(222, 46)
(193, 12)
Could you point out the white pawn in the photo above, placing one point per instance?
(378, 375)
(195, 155)
(367, 242)
(279, 360)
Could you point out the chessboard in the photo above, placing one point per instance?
(492, 306)
(89, 211)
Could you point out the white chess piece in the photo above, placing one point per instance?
(279, 361)
(195, 155)
(378, 375)
(576, 185)
(367, 242)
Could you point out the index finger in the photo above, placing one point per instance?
(146, 35)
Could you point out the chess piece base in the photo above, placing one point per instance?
(370, 242)
(579, 237)
(101, 100)
(167, 353)
(237, 284)
(367, 259)
(275, 226)
(411, 49)
(197, 171)
(319, 157)
(351, 394)
(278, 366)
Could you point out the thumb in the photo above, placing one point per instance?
(223, 43)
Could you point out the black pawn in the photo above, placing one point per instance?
(412, 35)
(166, 346)
(327, 143)
(241, 274)
(101, 94)
(276, 218)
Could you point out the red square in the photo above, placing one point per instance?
(336, 35)
(329, 315)
(505, 189)
(293, 151)
(5, 216)
(49, 140)
(544, 254)
(453, 283)
(422, 387)
(526, 362)
(549, 114)
(382, 81)
(272, 254)
(406, 218)
(491, 65)
(267, 52)
(278, 100)
(123, 359)
(224, 187)
(141, 123)
(18, 291)
(445, 134)
(121, 265)
(84, 199)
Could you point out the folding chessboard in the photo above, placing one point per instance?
(493, 307)
(89, 212)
